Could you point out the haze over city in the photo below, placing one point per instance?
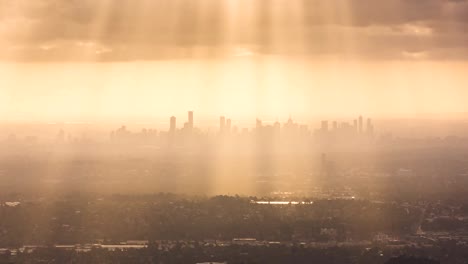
(234, 131)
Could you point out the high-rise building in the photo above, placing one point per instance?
(324, 126)
(277, 127)
(61, 136)
(228, 125)
(360, 124)
(172, 128)
(335, 125)
(370, 127)
(258, 124)
(190, 119)
(222, 124)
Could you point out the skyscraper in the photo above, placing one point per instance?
(277, 127)
(222, 124)
(360, 124)
(172, 128)
(324, 126)
(190, 119)
(228, 125)
(258, 124)
(370, 127)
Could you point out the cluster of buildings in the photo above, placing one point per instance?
(188, 126)
(356, 127)
(288, 131)
(288, 128)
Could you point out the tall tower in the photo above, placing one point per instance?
(277, 127)
(360, 124)
(258, 124)
(222, 124)
(324, 126)
(228, 125)
(172, 128)
(190, 119)
(370, 127)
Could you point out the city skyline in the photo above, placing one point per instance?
(225, 124)
(234, 131)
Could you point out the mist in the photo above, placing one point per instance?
(233, 131)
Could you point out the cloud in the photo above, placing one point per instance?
(172, 29)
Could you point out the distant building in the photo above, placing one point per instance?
(291, 130)
(360, 124)
(173, 126)
(370, 127)
(190, 120)
(258, 124)
(61, 136)
(222, 124)
(228, 125)
(277, 127)
(324, 126)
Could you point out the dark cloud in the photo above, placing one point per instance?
(168, 29)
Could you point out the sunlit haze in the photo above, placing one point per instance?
(93, 60)
(234, 131)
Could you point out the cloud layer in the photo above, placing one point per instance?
(116, 30)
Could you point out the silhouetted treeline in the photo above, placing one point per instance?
(119, 218)
(198, 253)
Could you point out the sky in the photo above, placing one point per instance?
(103, 59)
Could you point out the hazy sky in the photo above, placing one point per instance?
(85, 59)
